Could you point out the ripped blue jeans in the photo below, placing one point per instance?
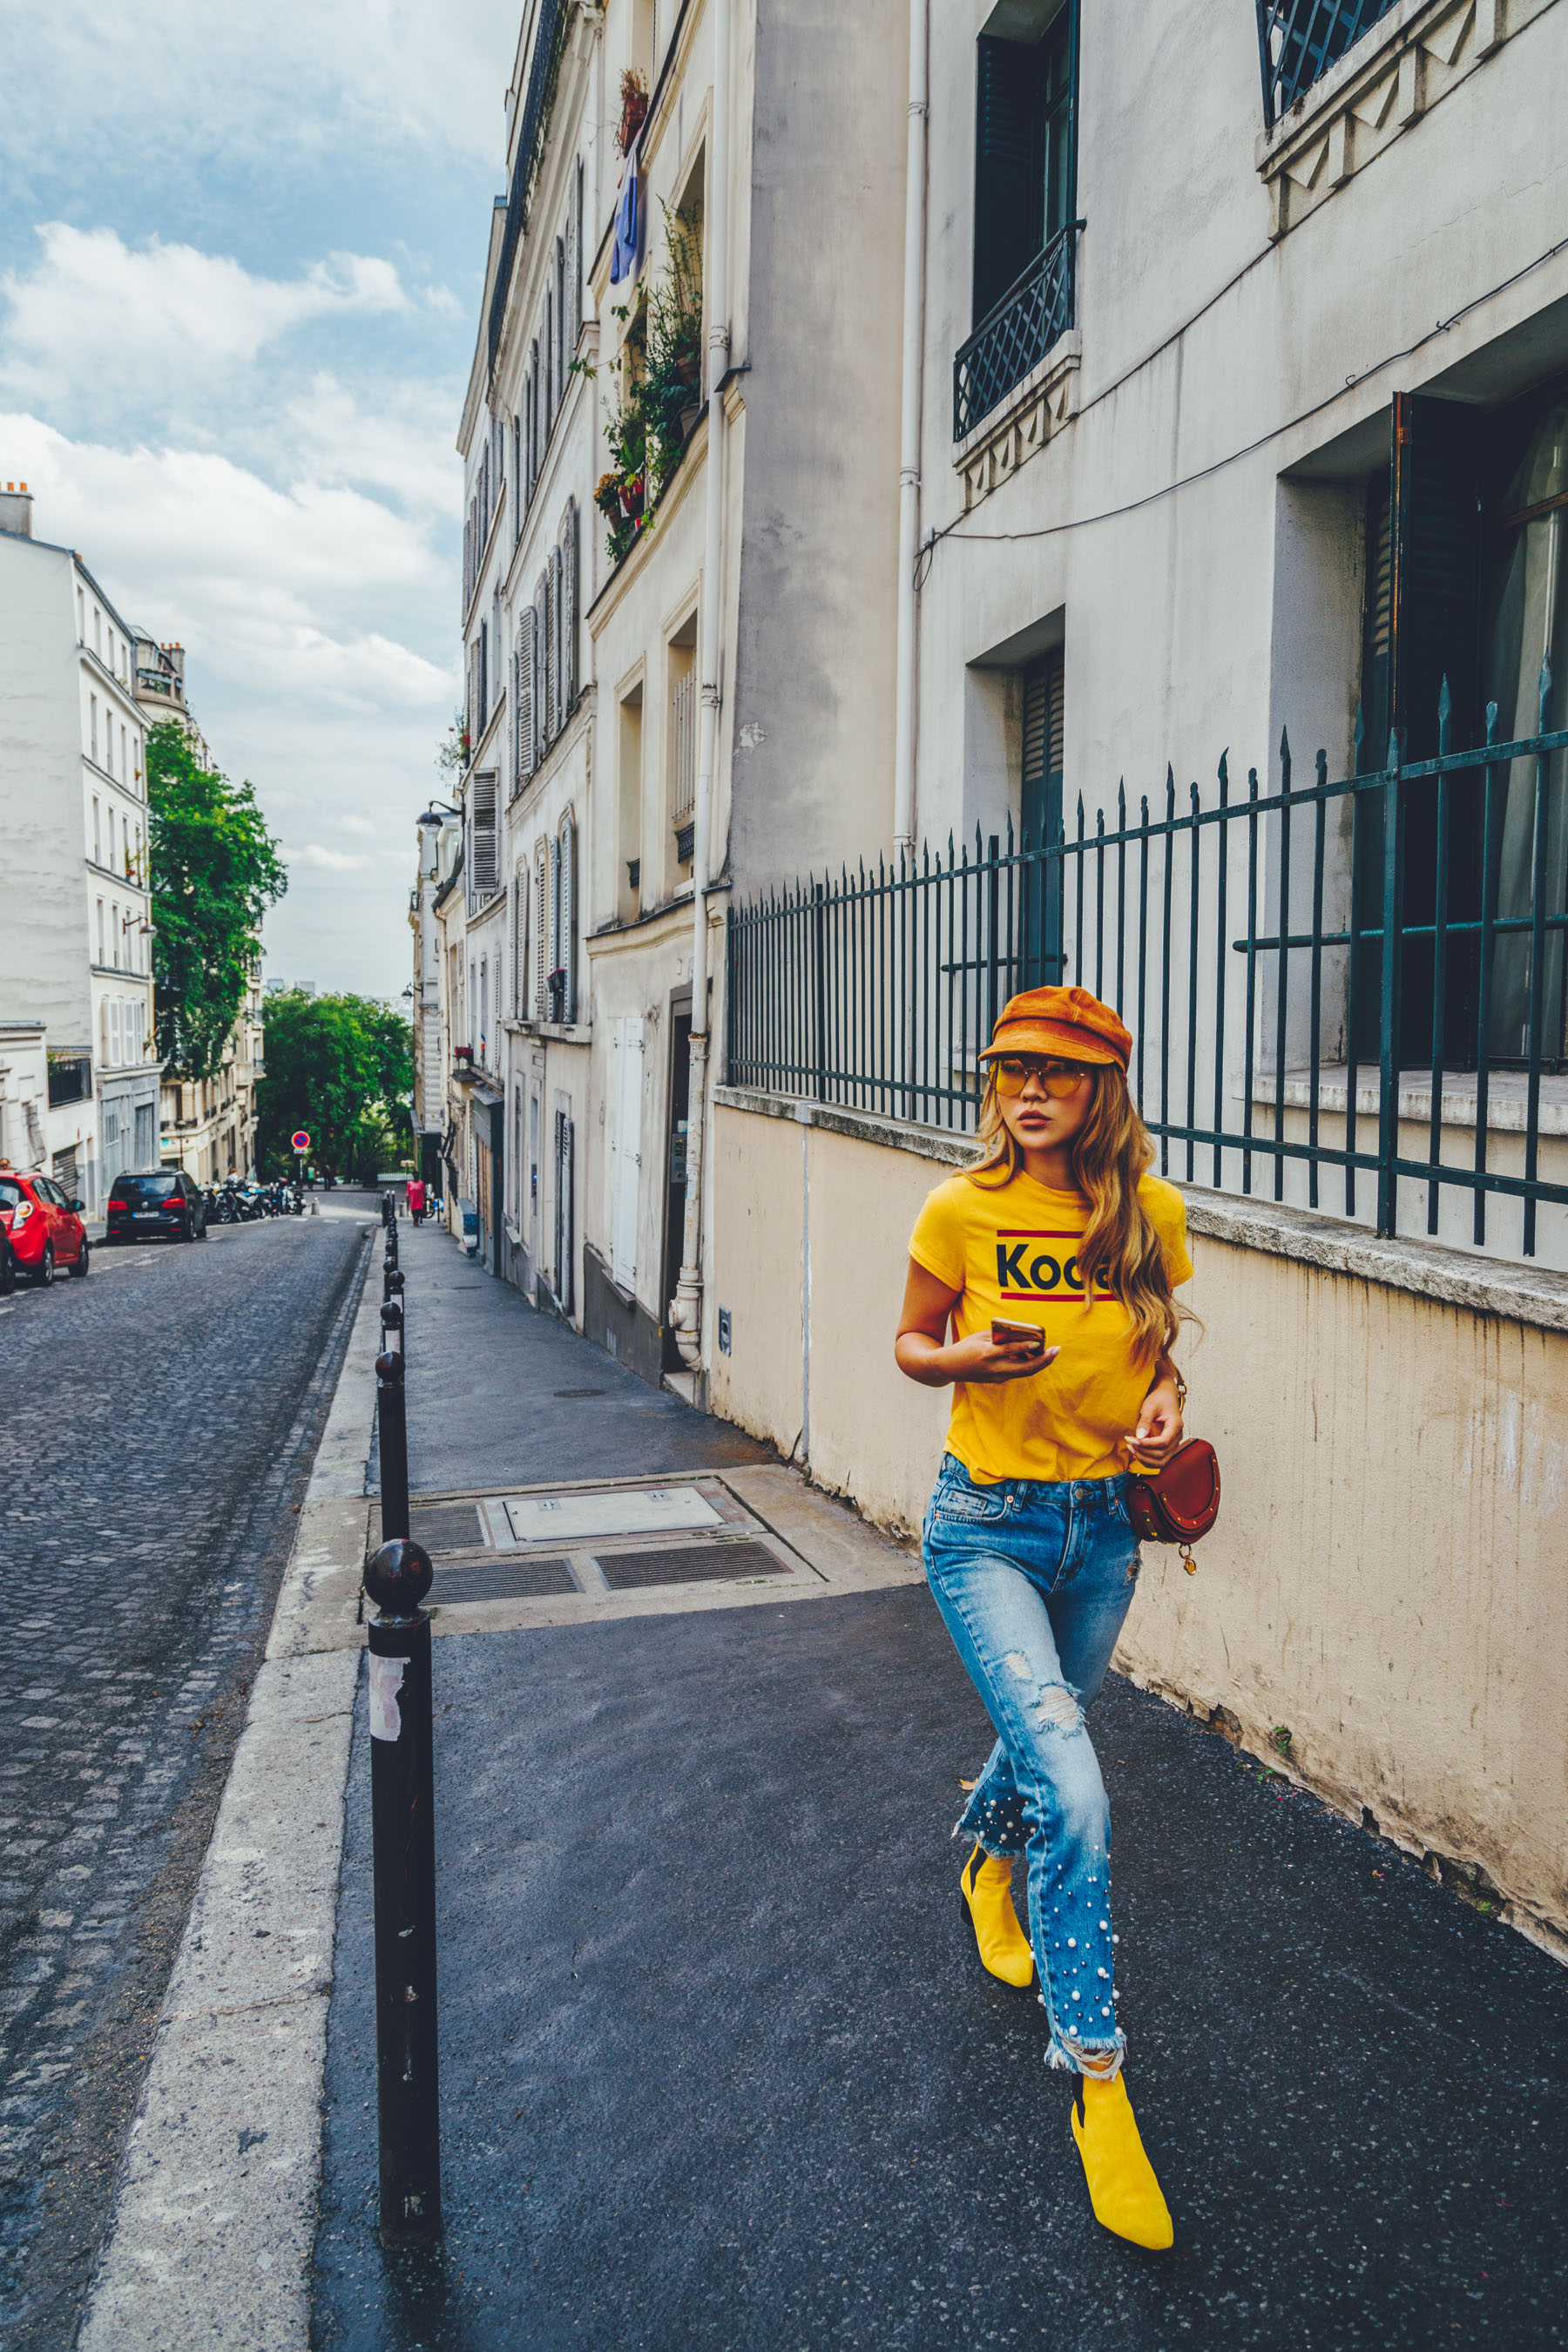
(1033, 1579)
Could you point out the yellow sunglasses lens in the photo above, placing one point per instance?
(1014, 1071)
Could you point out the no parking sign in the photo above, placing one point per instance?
(300, 1139)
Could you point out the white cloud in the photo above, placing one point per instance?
(188, 80)
(405, 445)
(163, 319)
(334, 861)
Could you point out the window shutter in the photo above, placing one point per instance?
(1437, 568)
(569, 916)
(569, 616)
(577, 253)
(549, 324)
(558, 582)
(1009, 165)
(537, 441)
(555, 910)
(540, 1008)
(1040, 800)
(516, 480)
(549, 591)
(559, 320)
(485, 875)
(114, 1033)
(526, 760)
(519, 944)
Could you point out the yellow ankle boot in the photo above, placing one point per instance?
(1121, 2184)
(1004, 1948)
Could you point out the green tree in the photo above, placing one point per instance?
(215, 872)
(341, 1067)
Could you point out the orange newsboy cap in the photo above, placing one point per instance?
(1066, 1021)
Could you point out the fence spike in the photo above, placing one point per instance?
(1009, 833)
(1121, 804)
(1143, 805)
(1284, 759)
(1169, 793)
(1323, 764)
(1358, 735)
(1393, 747)
(1193, 793)
(1080, 816)
(1445, 715)
(1100, 822)
(1223, 774)
(1252, 783)
(1491, 722)
(1545, 727)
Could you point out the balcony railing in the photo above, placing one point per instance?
(1331, 1023)
(1035, 309)
(548, 40)
(70, 1078)
(1299, 40)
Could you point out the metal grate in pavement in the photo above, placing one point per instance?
(499, 1579)
(446, 1527)
(686, 1563)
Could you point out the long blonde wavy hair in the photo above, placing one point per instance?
(1110, 1152)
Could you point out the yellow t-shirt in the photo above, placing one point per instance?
(1009, 1250)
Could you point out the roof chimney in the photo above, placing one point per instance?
(16, 509)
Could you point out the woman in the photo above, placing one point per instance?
(1031, 1555)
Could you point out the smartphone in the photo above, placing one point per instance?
(1005, 1333)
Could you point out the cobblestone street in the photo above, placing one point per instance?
(160, 1423)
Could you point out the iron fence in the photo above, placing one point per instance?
(1327, 983)
(1299, 40)
(1035, 309)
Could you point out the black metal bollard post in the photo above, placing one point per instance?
(392, 1432)
(391, 1341)
(403, 1826)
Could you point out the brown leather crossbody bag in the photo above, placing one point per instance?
(1180, 1502)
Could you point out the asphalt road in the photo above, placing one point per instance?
(159, 1423)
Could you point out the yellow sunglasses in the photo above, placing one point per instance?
(1014, 1071)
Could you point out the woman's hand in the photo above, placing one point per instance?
(923, 1351)
(1159, 1431)
(982, 1358)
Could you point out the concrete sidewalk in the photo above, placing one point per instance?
(720, 2068)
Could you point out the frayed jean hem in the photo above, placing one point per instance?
(1102, 2060)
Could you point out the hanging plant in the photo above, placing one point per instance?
(658, 405)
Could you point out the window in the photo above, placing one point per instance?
(540, 1007)
(517, 501)
(625, 1149)
(1024, 198)
(564, 1154)
(80, 618)
(97, 843)
(114, 934)
(101, 940)
(563, 923)
(98, 632)
(1023, 154)
(92, 726)
(115, 1032)
(124, 768)
(519, 944)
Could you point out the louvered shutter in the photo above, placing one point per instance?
(573, 306)
(577, 253)
(560, 319)
(527, 756)
(555, 921)
(539, 1008)
(557, 619)
(551, 672)
(536, 420)
(1009, 164)
(568, 951)
(517, 492)
(485, 869)
(569, 607)
(519, 944)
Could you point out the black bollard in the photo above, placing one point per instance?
(392, 1341)
(403, 1824)
(391, 1429)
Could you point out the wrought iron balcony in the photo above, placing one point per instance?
(70, 1078)
(1036, 308)
(1299, 40)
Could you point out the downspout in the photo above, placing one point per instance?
(909, 436)
(686, 1308)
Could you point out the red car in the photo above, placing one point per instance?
(43, 1228)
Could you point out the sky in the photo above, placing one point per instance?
(242, 252)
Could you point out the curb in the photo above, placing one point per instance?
(212, 2229)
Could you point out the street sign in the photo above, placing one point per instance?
(300, 1139)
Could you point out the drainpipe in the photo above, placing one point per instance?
(686, 1308)
(909, 436)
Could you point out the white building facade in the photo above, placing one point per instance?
(76, 928)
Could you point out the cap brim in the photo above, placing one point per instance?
(1053, 1038)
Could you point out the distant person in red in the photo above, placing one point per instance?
(417, 1200)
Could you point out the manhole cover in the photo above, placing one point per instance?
(499, 1579)
(622, 1511)
(686, 1563)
